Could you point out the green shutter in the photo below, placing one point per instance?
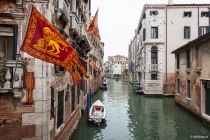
(157, 32)
(189, 31)
(199, 31)
(144, 34)
(208, 14)
(184, 31)
(208, 28)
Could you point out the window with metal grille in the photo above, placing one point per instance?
(154, 32)
(60, 109)
(8, 40)
(72, 99)
(153, 76)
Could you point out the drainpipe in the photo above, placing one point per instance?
(166, 47)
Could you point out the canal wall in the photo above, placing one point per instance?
(193, 112)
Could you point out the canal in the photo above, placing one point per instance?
(137, 117)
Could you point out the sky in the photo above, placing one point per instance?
(118, 19)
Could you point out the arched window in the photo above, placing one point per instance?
(154, 55)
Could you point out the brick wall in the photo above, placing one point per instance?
(11, 118)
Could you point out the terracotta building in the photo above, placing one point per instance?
(192, 76)
(38, 99)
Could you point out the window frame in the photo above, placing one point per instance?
(154, 32)
(154, 76)
(14, 38)
(186, 32)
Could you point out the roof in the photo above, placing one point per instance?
(194, 42)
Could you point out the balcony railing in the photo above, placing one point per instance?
(13, 82)
(154, 68)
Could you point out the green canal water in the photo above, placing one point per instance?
(137, 117)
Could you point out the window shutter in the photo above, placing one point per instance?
(208, 14)
(199, 31)
(201, 13)
(144, 34)
(189, 31)
(156, 32)
(184, 31)
(190, 14)
(157, 57)
(150, 13)
(208, 28)
(144, 16)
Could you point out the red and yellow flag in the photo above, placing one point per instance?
(93, 27)
(44, 42)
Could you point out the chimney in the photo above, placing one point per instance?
(170, 2)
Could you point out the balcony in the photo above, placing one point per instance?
(13, 83)
(63, 10)
(154, 68)
(74, 27)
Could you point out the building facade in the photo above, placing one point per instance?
(192, 76)
(162, 31)
(38, 100)
(116, 65)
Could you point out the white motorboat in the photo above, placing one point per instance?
(97, 113)
(104, 85)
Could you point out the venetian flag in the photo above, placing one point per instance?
(44, 42)
(93, 27)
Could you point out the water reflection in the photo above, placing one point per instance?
(136, 117)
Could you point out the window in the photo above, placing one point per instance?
(72, 99)
(187, 14)
(154, 32)
(78, 92)
(154, 55)
(52, 103)
(186, 32)
(153, 13)
(153, 76)
(198, 55)
(177, 61)
(60, 110)
(8, 41)
(188, 88)
(204, 14)
(178, 86)
(203, 30)
(188, 58)
(144, 34)
(59, 69)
